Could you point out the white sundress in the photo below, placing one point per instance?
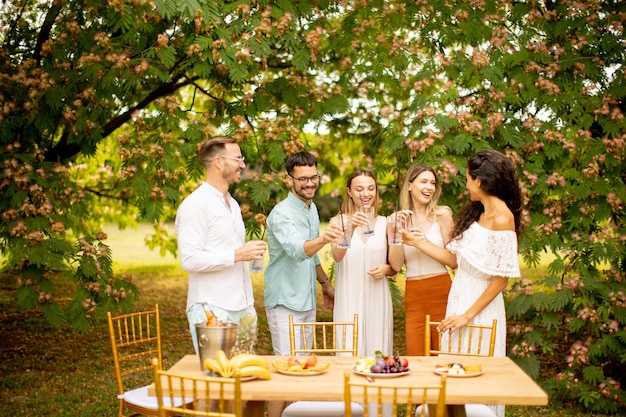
(357, 292)
(482, 254)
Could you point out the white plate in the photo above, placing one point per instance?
(445, 372)
(373, 375)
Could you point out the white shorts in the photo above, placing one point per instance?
(278, 322)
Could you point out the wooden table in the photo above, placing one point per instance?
(502, 382)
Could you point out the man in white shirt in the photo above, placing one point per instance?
(211, 240)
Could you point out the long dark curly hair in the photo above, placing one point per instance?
(498, 177)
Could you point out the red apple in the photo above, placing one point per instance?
(311, 361)
(389, 360)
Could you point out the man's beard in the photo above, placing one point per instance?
(302, 192)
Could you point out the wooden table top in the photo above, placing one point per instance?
(502, 381)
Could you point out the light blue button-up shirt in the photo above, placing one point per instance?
(290, 276)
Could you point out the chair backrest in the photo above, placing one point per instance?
(467, 341)
(394, 395)
(207, 393)
(328, 337)
(135, 340)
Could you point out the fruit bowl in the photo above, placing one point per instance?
(283, 367)
(382, 365)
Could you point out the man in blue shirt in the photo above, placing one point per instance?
(293, 240)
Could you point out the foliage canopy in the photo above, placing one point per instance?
(104, 104)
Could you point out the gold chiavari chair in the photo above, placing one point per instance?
(468, 342)
(169, 386)
(326, 338)
(398, 397)
(135, 340)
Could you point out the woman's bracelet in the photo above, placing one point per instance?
(323, 282)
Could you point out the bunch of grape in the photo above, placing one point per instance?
(390, 365)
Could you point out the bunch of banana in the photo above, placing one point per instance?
(246, 363)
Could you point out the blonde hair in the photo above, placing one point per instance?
(406, 202)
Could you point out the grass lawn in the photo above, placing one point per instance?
(46, 371)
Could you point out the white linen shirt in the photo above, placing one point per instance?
(208, 234)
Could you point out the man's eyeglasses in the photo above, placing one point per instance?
(240, 160)
(305, 180)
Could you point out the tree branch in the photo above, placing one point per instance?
(64, 150)
(46, 28)
(161, 91)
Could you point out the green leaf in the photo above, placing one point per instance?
(551, 320)
(519, 305)
(559, 299)
(151, 210)
(188, 8)
(167, 56)
(512, 136)
(493, 74)
(166, 7)
(462, 142)
(54, 314)
(81, 324)
(276, 154)
(335, 104)
(259, 193)
(301, 59)
(238, 73)
(576, 324)
(529, 364)
(46, 286)
(27, 298)
(141, 185)
(88, 267)
(261, 102)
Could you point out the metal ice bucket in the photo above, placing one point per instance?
(214, 338)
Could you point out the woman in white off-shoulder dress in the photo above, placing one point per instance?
(484, 240)
(483, 256)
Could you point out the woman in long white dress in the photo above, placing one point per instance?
(361, 271)
(484, 240)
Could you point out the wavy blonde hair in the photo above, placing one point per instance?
(406, 202)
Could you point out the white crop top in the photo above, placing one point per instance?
(418, 263)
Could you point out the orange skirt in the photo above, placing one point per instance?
(424, 296)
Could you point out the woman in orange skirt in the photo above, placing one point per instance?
(427, 278)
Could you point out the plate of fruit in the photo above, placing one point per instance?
(459, 370)
(300, 366)
(382, 366)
